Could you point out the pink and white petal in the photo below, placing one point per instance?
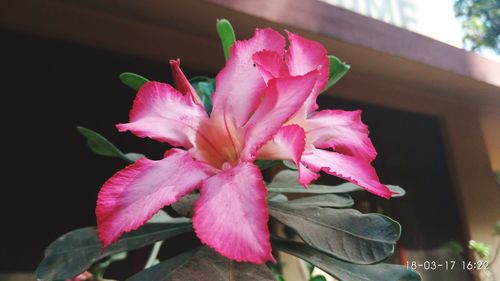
(281, 100)
(341, 130)
(162, 113)
(231, 214)
(271, 64)
(289, 144)
(303, 56)
(133, 195)
(355, 170)
(239, 84)
(181, 82)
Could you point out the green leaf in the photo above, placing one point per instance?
(480, 248)
(327, 200)
(101, 146)
(161, 270)
(337, 70)
(266, 164)
(345, 271)
(318, 278)
(76, 251)
(277, 197)
(286, 182)
(226, 35)
(204, 265)
(185, 205)
(133, 80)
(344, 233)
(289, 165)
(204, 87)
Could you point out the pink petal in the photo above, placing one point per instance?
(239, 84)
(289, 144)
(231, 214)
(341, 130)
(181, 82)
(270, 64)
(133, 195)
(355, 170)
(303, 56)
(162, 113)
(282, 98)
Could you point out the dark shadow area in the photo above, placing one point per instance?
(50, 186)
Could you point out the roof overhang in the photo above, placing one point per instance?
(160, 30)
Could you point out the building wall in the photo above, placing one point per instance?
(469, 156)
(490, 121)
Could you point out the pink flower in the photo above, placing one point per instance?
(215, 153)
(334, 141)
(84, 276)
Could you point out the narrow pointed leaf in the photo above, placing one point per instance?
(345, 271)
(204, 87)
(344, 233)
(101, 146)
(226, 35)
(327, 200)
(133, 80)
(286, 182)
(204, 265)
(337, 70)
(77, 250)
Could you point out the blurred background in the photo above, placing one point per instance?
(433, 108)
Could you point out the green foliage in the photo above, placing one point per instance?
(480, 248)
(343, 233)
(286, 182)
(480, 23)
(346, 271)
(78, 250)
(325, 200)
(226, 35)
(337, 70)
(204, 87)
(455, 247)
(201, 265)
(101, 146)
(132, 80)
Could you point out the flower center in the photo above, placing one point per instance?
(218, 144)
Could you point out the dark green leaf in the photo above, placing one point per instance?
(266, 164)
(277, 197)
(160, 271)
(337, 70)
(286, 182)
(204, 265)
(204, 87)
(226, 35)
(289, 165)
(133, 80)
(101, 146)
(318, 278)
(343, 233)
(77, 250)
(327, 200)
(185, 205)
(345, 271)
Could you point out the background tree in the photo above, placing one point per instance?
(480, 23)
